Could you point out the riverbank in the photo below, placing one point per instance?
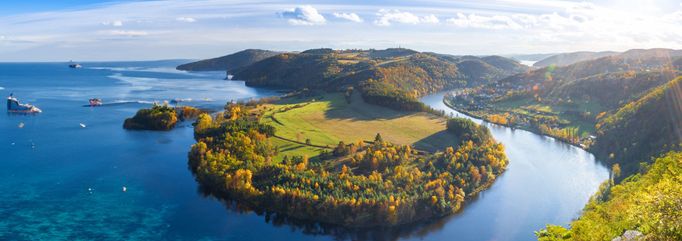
(447, 102)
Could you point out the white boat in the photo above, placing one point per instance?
(14, 106)
(95, 102)
(75, 65)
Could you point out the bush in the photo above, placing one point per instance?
(157, 118)
(466, 129)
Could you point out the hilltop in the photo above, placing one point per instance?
(565, 59)
(229, 62)
(331, 69)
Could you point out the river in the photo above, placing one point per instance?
(60, 181)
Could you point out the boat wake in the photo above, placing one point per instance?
(124, 102)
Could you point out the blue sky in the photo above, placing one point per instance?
(24, 6)
(141, 30)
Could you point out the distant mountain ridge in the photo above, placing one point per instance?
(419, 73)
(565, 59)
(229, 62)
(633, 60)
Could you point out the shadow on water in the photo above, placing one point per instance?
(417, 230)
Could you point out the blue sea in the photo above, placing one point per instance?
(62, 181)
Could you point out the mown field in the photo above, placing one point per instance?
(326, 121)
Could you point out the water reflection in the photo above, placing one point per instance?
(418, 230)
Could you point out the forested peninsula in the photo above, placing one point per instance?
(396, 162)
(359, 184)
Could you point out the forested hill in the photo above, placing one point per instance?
(572, 58)
(407, 70)
(643, 128)
(484, 69)
(607, 91)
(229, 62)
(604, 84)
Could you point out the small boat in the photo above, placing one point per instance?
(14, 106)
(178, 100)
(95, 102)
(75, 65)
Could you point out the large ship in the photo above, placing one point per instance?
(14, 106)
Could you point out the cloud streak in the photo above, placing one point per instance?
(186, 19)
(126, 33)
(353, 17)
(117, 23)
(204, 28)
(386, 17)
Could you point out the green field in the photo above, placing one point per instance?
(331, 119)
(530, 107)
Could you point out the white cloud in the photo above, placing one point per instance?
(429, 19)
(485, 22)
(349, 16)
(126, 33)
(117, 23)
(186, 19)
(304, 15)
(387, 17)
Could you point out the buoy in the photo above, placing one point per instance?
(125, 189)
(82, 125)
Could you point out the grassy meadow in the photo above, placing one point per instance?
(326, 121)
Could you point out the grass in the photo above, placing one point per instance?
(327, 121)
(530, 107)
(291, 148)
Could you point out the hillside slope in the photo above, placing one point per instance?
(643, 128)
(229, 62)
(648, 203)
(609, 91)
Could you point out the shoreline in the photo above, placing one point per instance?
(471, 115)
